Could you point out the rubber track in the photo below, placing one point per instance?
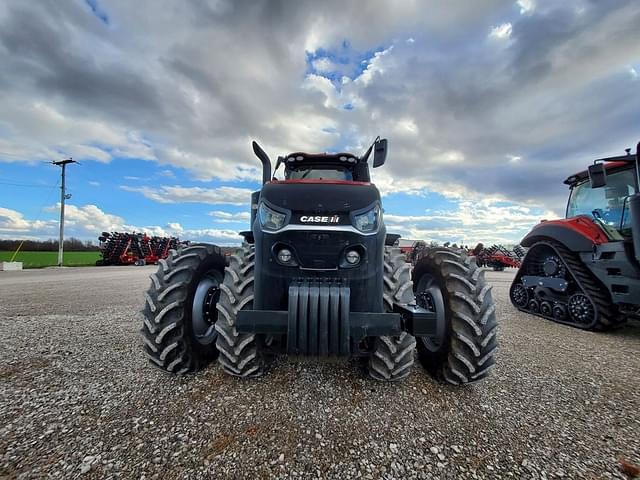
(607, 317)
(239, 353)
(393, 357)
(167, 342)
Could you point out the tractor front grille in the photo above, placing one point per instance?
(319, 249)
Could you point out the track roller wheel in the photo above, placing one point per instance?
(546, 308)
(519, 295)
(581, 309)
(534, 305)
(560, 312)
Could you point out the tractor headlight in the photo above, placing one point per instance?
(269, 218)
(368, 221)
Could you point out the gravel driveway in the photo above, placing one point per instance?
(77, 398)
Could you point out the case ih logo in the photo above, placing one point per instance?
(320, 219)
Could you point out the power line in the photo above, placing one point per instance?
(33, 185)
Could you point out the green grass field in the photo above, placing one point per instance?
(48, 259)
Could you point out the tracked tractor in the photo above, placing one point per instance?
(319, 276)
(584, 270)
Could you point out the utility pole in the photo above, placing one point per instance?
(63, 196)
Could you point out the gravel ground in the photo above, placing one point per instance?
(78, 398)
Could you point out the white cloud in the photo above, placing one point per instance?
(324, 65)
(633, 72)
(178, 194)
(208, 167)
(176, 227)
(167, 173)
(89, 221)
(37, 130)
(501, 31)
(376, 66)
(526, 6)
(13, 222)
(228, 217)
(487, 221)
(453, 109)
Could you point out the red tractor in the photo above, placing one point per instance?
(584, 270)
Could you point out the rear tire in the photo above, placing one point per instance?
(392, 357)
(467, 351)
(170, 340)
(240, 354)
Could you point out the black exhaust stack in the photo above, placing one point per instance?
(634, 209)
(266, 162)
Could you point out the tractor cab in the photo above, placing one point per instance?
(608, 202)
(331, 167)
(342, 167)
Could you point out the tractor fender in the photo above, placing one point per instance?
(577, 234)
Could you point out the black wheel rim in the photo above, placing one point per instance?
(559, 312)
(519, 295)
(546, 308)
(203, 310)
(581, 309)
(429, 296)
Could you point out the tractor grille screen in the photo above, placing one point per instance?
(319, 249)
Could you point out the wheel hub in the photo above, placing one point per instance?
(425, 300)
(204, 313)
(581, 309)
(209, 310)
(550, 267)
(429, 296)
(553, 267)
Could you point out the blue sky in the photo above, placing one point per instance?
(487, 106)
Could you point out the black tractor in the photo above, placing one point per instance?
(319, 276)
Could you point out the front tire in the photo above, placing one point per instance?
(240, 353)
(393, 357)
(465, 353)
(178, 335)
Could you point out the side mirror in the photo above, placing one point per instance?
(379, 153)
(597, 175)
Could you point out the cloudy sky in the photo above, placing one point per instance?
(488, 105)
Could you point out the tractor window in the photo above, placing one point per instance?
(319, 172)
(607, 203)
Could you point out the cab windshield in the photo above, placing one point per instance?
(319, 172)
(608, 204)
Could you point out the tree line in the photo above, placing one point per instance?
(70, 244)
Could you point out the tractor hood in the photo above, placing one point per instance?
(320, 198)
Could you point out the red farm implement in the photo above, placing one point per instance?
(134, 248)
(498, 257)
